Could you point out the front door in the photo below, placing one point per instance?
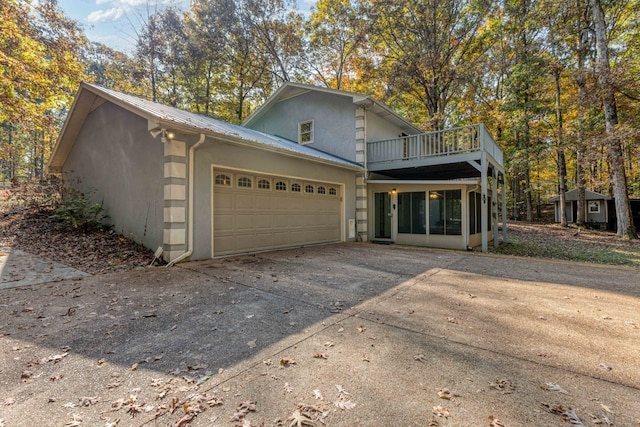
(383, 215)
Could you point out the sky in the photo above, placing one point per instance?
(115, 22)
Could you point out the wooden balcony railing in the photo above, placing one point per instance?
(461, 140)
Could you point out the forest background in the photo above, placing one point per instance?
(557, 82)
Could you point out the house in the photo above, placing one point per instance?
(312, 165)
(597, 211)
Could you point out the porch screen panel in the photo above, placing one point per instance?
(475, 212)
(412, 213)
(445, 212)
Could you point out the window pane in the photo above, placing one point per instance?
(308, 189)
(264, 184)
(321, 190)
(453, 214)
(436, 212)
(281, 186)
(295, 188)
(404, 212)
(472, 213)
(418, 217)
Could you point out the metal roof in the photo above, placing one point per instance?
(211, 126)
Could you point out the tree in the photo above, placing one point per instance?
(337, 32)
(625, 226)
(427, 50)
(40, 70)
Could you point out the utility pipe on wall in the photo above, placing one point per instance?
(191, 185)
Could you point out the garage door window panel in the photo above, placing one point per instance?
(264, 184)
(244, 182)
(223, 180)
(281, 186)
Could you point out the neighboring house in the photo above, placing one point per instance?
(310, 166)
(597, 211)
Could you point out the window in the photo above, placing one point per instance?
(281, 186)
(475, 213)
(332, 191)
(295, 188)
(223, 179)
(305, 132)
(308, 189)
(322, 190)
(412, 213)
(445, 212)
(264, 184)
(244, 182)
(594, 207)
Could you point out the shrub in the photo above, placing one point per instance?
(74, 208)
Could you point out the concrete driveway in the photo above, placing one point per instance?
(340, 335)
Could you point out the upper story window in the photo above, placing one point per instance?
(244, 182)
(264, 184)
(223, 179)
(281, 186)
(305, 132)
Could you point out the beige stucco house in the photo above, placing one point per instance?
(310, 166)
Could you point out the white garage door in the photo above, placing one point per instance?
(254, 212)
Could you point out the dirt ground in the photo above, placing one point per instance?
(337, 335)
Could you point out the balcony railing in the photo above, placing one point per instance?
(461, 140)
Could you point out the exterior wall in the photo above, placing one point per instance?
(379, 129)
(592, 217)
(333, 116)
(436, 241)
(250, 159)
(115, 156)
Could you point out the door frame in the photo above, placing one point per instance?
(393, 217)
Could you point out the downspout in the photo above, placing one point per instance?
(190, 202)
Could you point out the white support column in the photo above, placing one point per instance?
(504, 208)
(484, 221)
(494, 206)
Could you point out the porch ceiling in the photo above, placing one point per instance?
(433, 172)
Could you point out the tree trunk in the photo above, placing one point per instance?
(614, 145)
(583, 40)
(562, 164)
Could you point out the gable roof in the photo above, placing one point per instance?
(571, 196)
(159, 116)
(290, 90)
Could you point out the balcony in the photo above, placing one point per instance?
(446, 154)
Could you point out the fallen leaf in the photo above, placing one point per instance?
(556, 387)
(342, 390)
(494, 422)
(76, 421)
(134, 367)
(445, 393)
(433, 423)
(252, 343)
(605, 367)
(344, 404)
(440, 411)
(328, 344)
(299, 420)
(9, 401)
(285, 362)
(320, 356)
(242, 410)
(365, 358)
(362, 328)
(88, 401)
(606, 408)
(287, 388)
(317, 394)
(503, 385)
(420, 357)
(570, 416)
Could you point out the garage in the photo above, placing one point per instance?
(256, 212)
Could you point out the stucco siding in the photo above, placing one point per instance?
(230, 156)
(115, 153)
(379, 129)
(333, 116)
